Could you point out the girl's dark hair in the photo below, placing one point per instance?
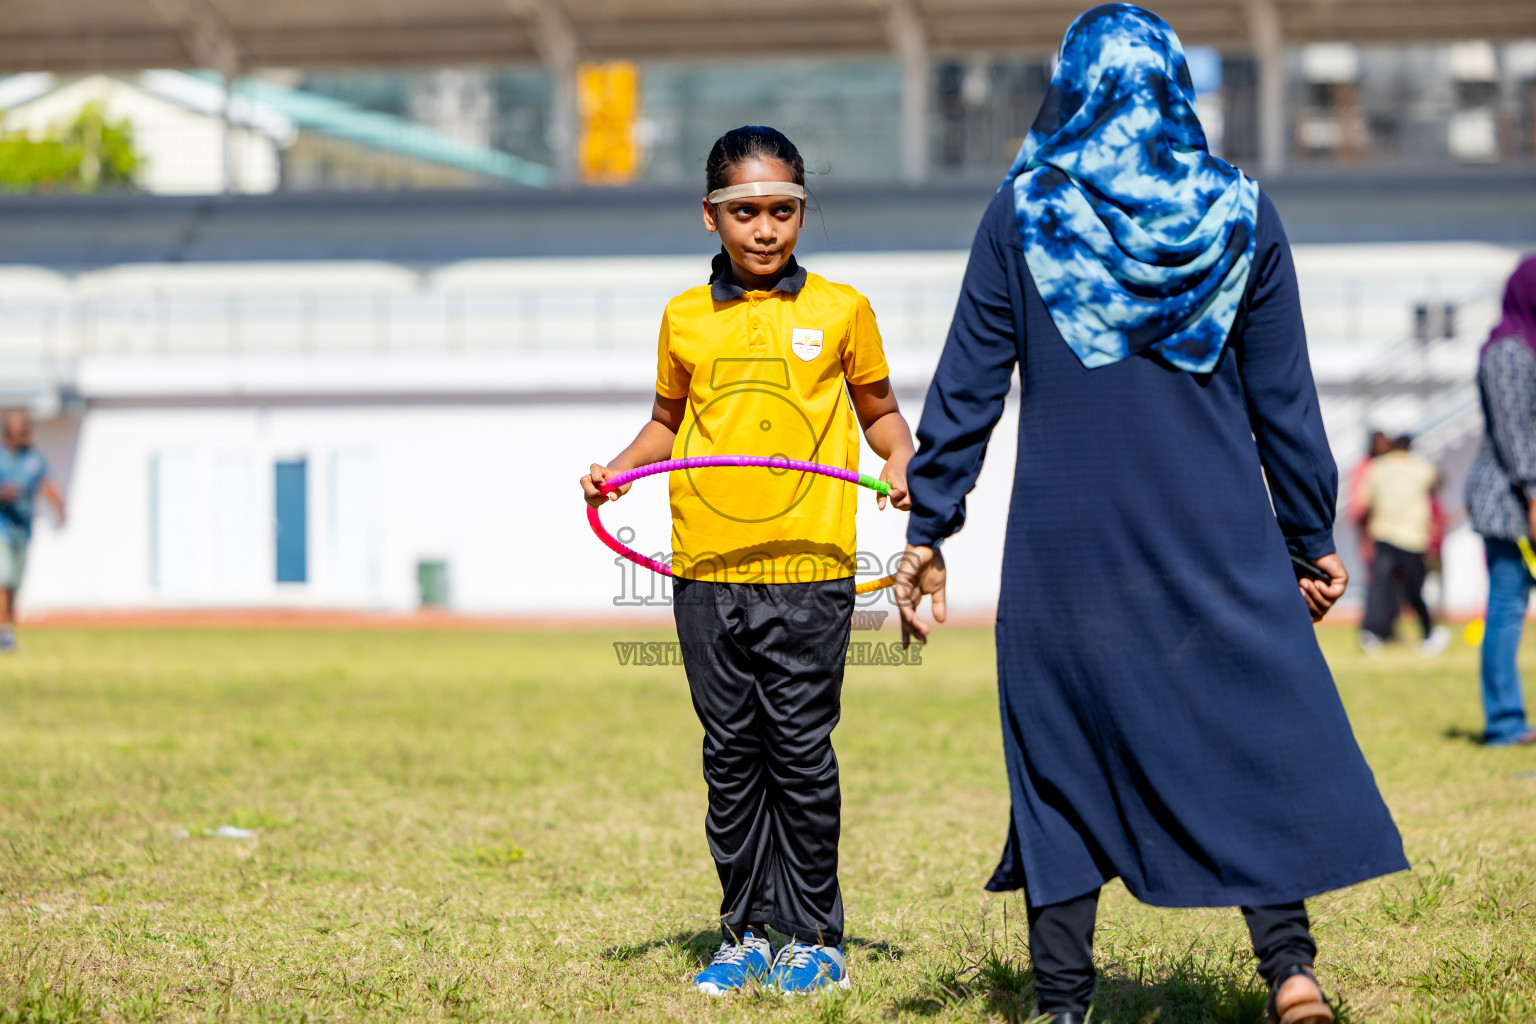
(753, 141)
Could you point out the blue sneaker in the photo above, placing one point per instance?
(802, 967)
(734, 965)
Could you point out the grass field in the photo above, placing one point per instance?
(482, 826)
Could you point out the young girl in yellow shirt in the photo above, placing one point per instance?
(767, 359)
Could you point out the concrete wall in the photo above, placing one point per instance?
(454, 425)
(407, 462)
(490, 489)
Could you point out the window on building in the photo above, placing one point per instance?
(291, 487)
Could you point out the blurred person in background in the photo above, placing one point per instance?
(1501, 501)
(1433, 562)
(1358, 509)
(23, 473)
(1398, 491)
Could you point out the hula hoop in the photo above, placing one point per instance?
(618, 480)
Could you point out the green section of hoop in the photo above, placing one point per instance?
(879, 486)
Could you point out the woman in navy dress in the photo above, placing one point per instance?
(1168, 718)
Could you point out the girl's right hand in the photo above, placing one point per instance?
(591, 487)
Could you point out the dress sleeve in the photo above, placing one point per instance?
(1283, 409)
(1510, 392)
(966, 396)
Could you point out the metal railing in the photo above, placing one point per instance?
(589, 319)
(914, 312)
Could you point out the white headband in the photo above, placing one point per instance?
(757, 188)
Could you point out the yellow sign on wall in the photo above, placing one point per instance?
(609, 98)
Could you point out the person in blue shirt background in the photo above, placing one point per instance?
(23, 473)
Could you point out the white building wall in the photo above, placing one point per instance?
(447, 413)
(492, 490)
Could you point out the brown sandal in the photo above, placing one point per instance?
(1313, 1011)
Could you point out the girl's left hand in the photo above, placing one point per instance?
(895, 474)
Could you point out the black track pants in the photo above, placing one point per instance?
(1397, 578)
(1061, 946)
(765, 667)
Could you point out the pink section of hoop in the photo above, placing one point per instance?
(620, 549)
(698, 462)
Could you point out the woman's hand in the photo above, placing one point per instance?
(895, 474)
(592, 483)
(921, 573)
(1321, 596)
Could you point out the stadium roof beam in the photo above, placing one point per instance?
(98, 35)
(212, 44)
(204, 34)
(556, 40)
(910, 42)
(1269, 52)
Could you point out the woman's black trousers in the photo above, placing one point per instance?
(1061, 945)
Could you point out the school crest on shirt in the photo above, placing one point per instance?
(806, 342)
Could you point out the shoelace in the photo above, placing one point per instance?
(730, 953)
(798, 955)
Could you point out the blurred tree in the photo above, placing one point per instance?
(83, 155)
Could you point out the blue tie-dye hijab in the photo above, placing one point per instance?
(1136, 236)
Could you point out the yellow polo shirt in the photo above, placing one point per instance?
(763, 373)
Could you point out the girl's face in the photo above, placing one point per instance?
(759, 232)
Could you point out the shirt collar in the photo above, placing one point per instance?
(723, 289)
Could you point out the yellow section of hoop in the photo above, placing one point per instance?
(874, 585)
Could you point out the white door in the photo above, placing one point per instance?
(354, 525)
(173, 517)
(238, 550)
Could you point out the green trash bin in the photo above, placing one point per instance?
(432, 582)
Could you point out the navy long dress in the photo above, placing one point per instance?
(1167, 715)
